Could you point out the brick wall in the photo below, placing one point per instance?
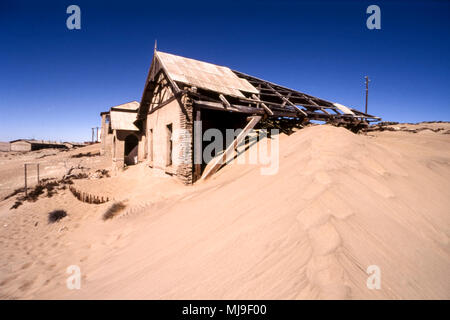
(185, 151)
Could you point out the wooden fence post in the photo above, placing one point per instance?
(25, 168)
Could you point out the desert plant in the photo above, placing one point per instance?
(113, 210)
(56, 215)
(87, 154)
(15, 192)
(16, 204)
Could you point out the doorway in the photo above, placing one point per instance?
(131, 149)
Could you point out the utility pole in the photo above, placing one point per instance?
(367, 90)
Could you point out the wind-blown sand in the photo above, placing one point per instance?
(339, 203)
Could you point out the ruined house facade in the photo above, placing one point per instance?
(120, 138)
(184, 96)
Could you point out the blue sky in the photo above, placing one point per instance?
(54, 82)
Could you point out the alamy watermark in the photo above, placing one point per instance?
(74, 280)
(74, 20)
(374, 279)
(374, 20)
(255, 147)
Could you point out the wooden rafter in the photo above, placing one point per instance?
(271, 100)
(217, 162)
(286, 99)
(268, 110)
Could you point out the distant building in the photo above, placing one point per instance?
(24, 145)
(119, 135)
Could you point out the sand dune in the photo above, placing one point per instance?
(339, 203)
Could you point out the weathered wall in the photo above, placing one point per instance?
(118, 146)
(179, 115)
(118, 149)
(20, 146)
(106, 137)
(142, 150)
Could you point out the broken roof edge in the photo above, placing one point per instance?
(158, 63)
(357, 112)
(280, 86)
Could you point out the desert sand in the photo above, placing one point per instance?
(339, 203)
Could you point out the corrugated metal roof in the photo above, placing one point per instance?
(205, 75)
(343, 108)
(123, 120)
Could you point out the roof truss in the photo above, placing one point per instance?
(282, 98)
(272, 100)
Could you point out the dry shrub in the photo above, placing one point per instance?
(56, 215)
(50, 185)
(34, 194)
(114, 210)
(15, 192)
(87, 154)
(16, 204)
(103, 173)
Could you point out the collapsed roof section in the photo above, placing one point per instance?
(220, 88)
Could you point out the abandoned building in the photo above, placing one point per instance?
(119, 135)
(24, 145)
(179, 91)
